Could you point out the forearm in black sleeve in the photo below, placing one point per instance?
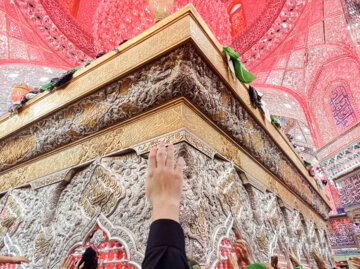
(166, 246)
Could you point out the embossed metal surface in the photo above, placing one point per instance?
(46, 223)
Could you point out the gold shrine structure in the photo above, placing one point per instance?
(73, 161)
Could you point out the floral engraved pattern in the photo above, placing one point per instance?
(102, 191)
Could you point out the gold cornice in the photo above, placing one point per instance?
(183, 26)
(175, 115)
(148, 46)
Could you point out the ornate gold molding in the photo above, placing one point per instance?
(15, 149)
(161, 121)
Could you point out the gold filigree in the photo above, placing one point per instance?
(90, 114)
(221, 115)
(102, 191)
(47, 180)
(262, 241)
(225, 96)
(8, 220)
(129, 108)
(229, 194)
(124, 88)
(197, 143)
(11, 215)
(69, 113)
(168, 139)
(199, 226)
(257, 141)
(73, 133)
(99, 194)
(176, 115)
(294, 180)
(42, 246)
(15, 149)
(274, 215)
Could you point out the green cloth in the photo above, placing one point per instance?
(256, 266)
(273, 119)
(76, 68)
(46, 86)
(307, 163)
(240, 71)
(299, 267)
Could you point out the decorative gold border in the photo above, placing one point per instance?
(175, 115)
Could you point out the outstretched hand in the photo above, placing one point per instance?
(243, 251)
(164, 182)
(356, 261)
(13, 259)
(19, 259)
(232, 263)
(319, 261)
(67, 264)
(293, 257)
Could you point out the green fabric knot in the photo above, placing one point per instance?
(256, 266)
(240, 70)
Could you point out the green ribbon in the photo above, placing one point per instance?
(273, 119)
(307, 163)
(76, 68)
(46, 86)
(240, 71)
(299, 267)
(256, 266)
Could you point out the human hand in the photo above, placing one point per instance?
(356, 261)
(315, 254)
(19, 259)
(293, 257)
(289, 265)
(243, 251)
(232, 263)
(319, 261)
(67, 264)
(78, 266)
(275, 262)
(164, 182)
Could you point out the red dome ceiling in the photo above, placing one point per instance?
(71, 29)
(296, 46)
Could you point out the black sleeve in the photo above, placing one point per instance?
(166, 246)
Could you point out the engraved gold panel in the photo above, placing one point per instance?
(15, 149)
(90, 114)
(133, 131)
(262, 242)
(10, 216)
(173, 116)
(103, 191)
(198, 227)
(229, 194)
(42, 245)
(124, 88)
